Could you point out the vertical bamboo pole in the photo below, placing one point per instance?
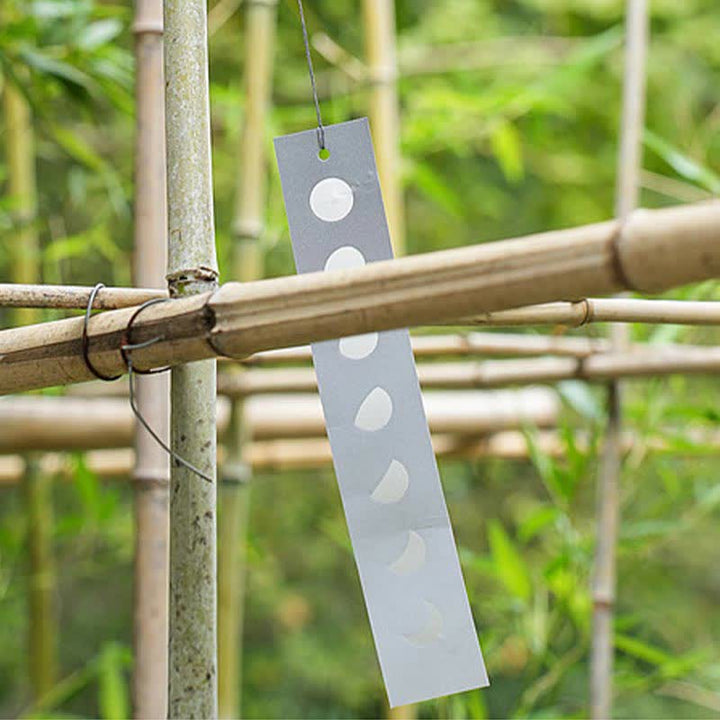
(25, 266)
(608, 508)
(192, 269)
(42, 645)
(381, 59)
(260, 26)
(152, 470)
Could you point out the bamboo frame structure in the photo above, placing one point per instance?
(151, 473)
(248, 226)
(26, 268)
(610, 470)
(192, 271)
(382, 74)
(73, 297)
(654, 250)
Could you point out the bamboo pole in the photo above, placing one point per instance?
(69, 297)
(461, 345)
(571, 314)
(192, 271)
(616, 310)
(381, 55)
(609, 476)
(25, 267)
(649, 362)
(151, 473)
(70, 423)
(654, 251)
(283, 454)
(260, 22)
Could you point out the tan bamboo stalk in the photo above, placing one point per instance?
(192, 271)
(473, 343)
(592, 310)
(152, 469)
(54, 423)
(25, 267)
(70, 297)
(571, 314)
(381, 57)
(609, 476)
(260, 26)
(649, 362)
(656, 250)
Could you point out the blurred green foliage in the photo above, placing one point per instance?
(521, 138)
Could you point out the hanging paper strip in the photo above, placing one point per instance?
(400, 530)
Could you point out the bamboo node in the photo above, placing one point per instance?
(191, 279)
(148, 27)
(619, 271)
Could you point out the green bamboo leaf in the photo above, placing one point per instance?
(507, 149)
(112, 686)
(510, 566)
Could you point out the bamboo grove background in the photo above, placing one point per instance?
(509, 118)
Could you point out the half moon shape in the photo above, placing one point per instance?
(393, 486)
(413, 556)
(432, 632)
(375, 411)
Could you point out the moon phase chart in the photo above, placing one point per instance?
(402, 540)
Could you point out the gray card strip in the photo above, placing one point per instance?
(401, 535)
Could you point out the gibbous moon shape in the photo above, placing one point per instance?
(375, 411)
(345, 258)
(331, 199)
(413, 556)
(432, 632)
(393, 486)
(358, 347)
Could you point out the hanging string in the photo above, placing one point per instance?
(311, 71)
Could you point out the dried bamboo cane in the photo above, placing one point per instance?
(650, 362)
(655, 250)
(69, 297)
(608, 507)
(192, 271)
(592, 310)
(25, 265)
(381, 57)
(260, 21)
(571, 314)
(152, 471)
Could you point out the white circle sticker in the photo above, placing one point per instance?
(331, 199)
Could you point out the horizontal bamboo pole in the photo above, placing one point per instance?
(73, 297)
(71, 423)
(592, 310)
(308, 453)
(472, 343)
(286, 454)
(659, 361)
(653, 251)
(572, 314)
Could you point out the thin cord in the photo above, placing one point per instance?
(321, 129)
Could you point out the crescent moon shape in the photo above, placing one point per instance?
(393, 486)
(413, 556)
(375, 411)
(432, 632)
